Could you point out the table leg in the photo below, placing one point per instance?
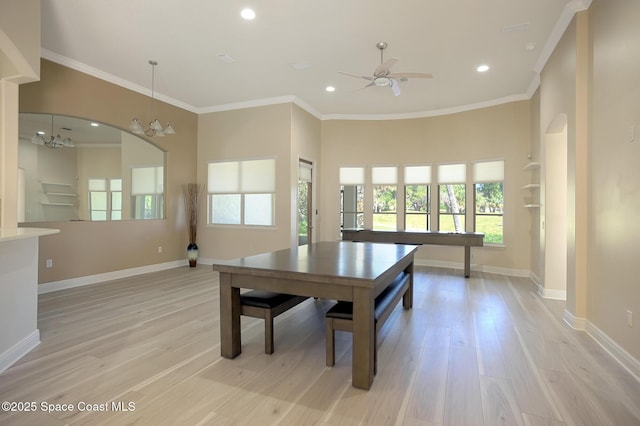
(363, 338)
(230, 340)
(467, 261)
(407, 299)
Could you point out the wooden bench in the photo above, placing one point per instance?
(267, 305)
(340, 316)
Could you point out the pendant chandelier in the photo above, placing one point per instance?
(51, 141)
(155, 128)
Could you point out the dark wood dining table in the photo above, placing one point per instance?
(342, 270)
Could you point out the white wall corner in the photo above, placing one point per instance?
(575, 322)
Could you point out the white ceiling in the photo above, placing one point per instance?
(115, 39)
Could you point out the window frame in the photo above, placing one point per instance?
(488, 172)
(245, 186)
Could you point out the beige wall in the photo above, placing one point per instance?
(500, 132)
(252, 133)
(90, 248)
(615, 193)
(19, 63)
(305, 145)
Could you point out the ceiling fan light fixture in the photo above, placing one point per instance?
(382, 81)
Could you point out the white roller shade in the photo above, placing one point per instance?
(414, 175)
(147, 180)
(304, 172)
(490, 171)
(351, 175)
(384, 175)
(224, 177)
(452, 173)
(97, 184)
(258, 175)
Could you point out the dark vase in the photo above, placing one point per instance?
(192, 254)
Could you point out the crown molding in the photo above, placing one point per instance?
(556, 34)
(426, 114)
(94, 72)
(558, 31)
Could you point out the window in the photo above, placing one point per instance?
(384, 180)
(417, 198)
(351, 197)
(489, 200)
(451, 197)
(105, 199)
(242, 192)
(147, 189)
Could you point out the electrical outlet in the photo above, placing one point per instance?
(49, 263)
(159, 249)
(629, 318)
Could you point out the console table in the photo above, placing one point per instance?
(466, 239)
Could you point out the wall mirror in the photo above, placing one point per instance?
(76, 169)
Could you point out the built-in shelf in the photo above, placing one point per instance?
(58, 194)
(531, 186)
(62, 194)
(533, 167)
(57, 204)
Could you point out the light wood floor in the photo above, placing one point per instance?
(480, 351)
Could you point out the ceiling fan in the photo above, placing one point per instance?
(382, 76)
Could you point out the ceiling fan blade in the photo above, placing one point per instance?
(410, 75)
(395, 86)
(383, 68)
(366, 77)
(364, 87)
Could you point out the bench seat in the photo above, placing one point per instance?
(267, 305)
(340, 316)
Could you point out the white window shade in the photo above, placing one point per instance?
(414, 175)
(224, 177)
(490, 171)
(147, 180)
(452, 173)
(351, 175)
(97, 184)
(258, 176)
(304, 172)
(384, 175)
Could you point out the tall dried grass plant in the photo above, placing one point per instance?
(192, 194)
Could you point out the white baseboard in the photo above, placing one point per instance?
(481, 268)
(107, 276)
(575, 322)
(552, 294)
(20, 349)
(625, 359)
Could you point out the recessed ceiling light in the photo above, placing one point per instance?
(94, 124)
(330, 89)
(483, 68)
(40, 132)
(248, 14)
(530, 47)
